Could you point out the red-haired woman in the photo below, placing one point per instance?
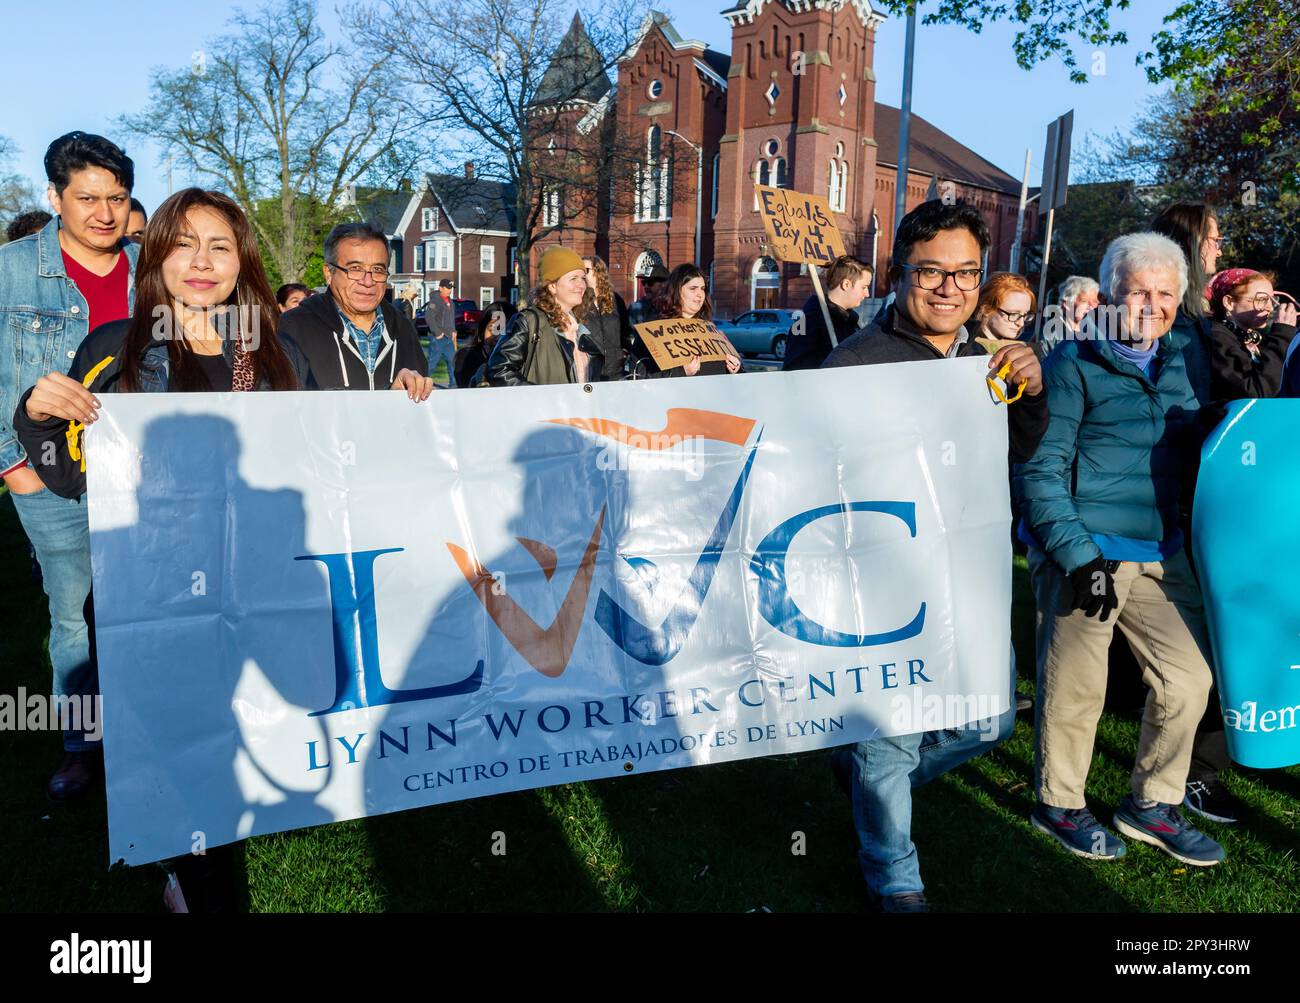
(685, 297)
(1249, 335)
(1006, 304)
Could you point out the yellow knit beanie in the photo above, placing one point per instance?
(558, 261)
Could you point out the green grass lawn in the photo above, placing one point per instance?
(713, 838)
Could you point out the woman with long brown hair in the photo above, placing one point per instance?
(685, 297)
(204, 320)
(605, 315)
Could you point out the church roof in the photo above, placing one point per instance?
(933, 151)
(576, 71)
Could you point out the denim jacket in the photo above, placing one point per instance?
(43, 319)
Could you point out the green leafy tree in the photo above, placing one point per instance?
(1046, 28)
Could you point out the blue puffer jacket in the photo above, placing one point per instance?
(1117, 450)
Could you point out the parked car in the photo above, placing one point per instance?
(760, 332)
(467, 317)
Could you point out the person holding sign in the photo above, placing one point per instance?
(545, 343)
(848, 283)
(204, 320)
(936, 276)
(686, 297)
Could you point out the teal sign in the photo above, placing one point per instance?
(1246, 537)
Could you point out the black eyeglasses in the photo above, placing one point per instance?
(1015, 318)
(928, 277)
(357, 272)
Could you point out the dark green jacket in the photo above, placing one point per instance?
(1118, 449)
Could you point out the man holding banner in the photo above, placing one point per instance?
(936, 275)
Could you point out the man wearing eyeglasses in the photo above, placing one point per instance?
(936, 275)
(350, 336)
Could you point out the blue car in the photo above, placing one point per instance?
(760, 332)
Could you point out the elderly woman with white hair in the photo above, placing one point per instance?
(1079, 296)
(1100, 505)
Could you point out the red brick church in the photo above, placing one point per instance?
(793, 105)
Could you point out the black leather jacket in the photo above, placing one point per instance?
(506, 365)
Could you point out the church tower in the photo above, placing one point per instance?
(800, 115)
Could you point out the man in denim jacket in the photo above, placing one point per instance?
(55, 286)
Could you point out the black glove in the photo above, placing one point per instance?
(1094, 588)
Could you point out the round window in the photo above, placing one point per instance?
(656, 88)
(839, 149)
(770, 147)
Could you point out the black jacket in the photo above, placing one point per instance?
(810, 350)
(1234, 373)
(613, 333)
(505, 367)
(440, 315)
(331, 357)
(880, 342)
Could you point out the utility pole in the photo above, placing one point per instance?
(699, 190)
(905, 120)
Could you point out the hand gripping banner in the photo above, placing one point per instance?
(320, 606)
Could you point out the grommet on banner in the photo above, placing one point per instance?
(628, 767)
(586, 388)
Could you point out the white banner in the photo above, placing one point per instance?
(319, 606)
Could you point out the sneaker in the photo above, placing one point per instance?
(1162, 826)
(1210, 799)
(902, 902)
(1078, 831)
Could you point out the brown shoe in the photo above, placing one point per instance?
(78, 773)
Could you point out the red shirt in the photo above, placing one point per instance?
(106, 295)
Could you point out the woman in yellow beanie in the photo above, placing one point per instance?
(546, 342)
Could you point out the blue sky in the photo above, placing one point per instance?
(966, 84)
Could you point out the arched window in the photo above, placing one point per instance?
(833, 185)
(762, 176)
(654, 185)
(645, 261)
(765, 284)
(780, 178)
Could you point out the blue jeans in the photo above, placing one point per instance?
(60, 535)
(884, 772)
(440, 348)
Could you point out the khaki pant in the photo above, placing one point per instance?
(1161, 617)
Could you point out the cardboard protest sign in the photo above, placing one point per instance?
(799, 227)
(674, 343)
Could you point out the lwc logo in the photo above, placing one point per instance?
(359, 681)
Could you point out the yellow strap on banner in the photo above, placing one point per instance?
(75, 428)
